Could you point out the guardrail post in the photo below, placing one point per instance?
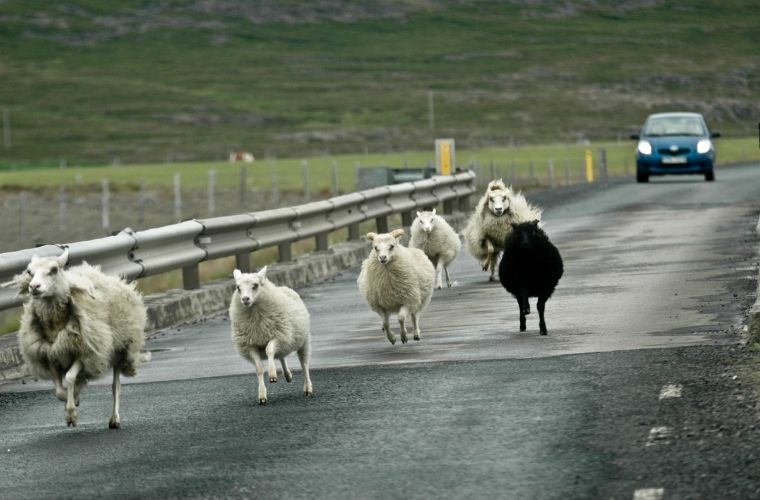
(284, 252)
(448, 207)
(382, 224)
(322, 242)
(353, 231)
(243, 262)
(464, 203)
(406, 219)
(191, 278)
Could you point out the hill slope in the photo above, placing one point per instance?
(93, 80)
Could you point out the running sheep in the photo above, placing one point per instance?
(269, 321)
(531, 267)
(434, 236)
(76, 324)
(396, 280)
(490, 223)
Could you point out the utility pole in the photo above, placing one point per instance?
(6, 128)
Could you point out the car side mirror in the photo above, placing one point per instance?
(635, 137)
(713, 135)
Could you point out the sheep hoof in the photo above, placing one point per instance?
(491, 278)
(544, 332)
(71, 420)
(403, 341)
(523, 328)
(308, 393)
(392, 340)
(439, 287)
(114, 424)
(288, 377)
(262, 401)
(417, 338)
(272, 380)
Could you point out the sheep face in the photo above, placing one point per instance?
(249, 285)
(44, 277)
(527, 233)
(385, 245)
(498, 202)
(427, 221)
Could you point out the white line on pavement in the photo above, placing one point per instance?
(649, 494)
(658, 434)
(671, 391)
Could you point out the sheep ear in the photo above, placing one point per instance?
(535, 222)
(418, 214)
(236, 274)
(397, 233)
(263, 273)
(63, 259)
(433, 211)
(371, 236)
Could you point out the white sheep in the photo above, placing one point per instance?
(434, 236)
(491, 222)
(79, 322)
(269, 320)
(396, 280)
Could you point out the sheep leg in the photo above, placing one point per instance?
(271, 349)
(448, 279)
(387, 328)
(416, 324)
(256, 357)
(493, 257)
(541, 324)
(60, 390)
(115, 421)
(71, 382)
(285, 370)
(401, 322)
(439, 273)
(304, 354)
(521, 299)
(488, 262)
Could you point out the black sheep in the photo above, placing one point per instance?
(530, 267)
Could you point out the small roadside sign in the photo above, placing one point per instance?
(445, 156)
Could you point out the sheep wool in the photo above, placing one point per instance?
(269, 321)
(438, 240)
(396, 280)
(79, 322)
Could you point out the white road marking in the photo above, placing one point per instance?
(671, 391)
(658, 434)
(649, 494)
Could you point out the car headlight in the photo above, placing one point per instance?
(644, 148)
(704, 146)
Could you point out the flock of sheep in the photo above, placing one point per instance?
(79, 322)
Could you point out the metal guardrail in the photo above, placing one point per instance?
(185, 245)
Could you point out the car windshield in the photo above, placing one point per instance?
(673, 125)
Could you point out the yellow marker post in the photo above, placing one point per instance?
(589, 166)
(445, 156)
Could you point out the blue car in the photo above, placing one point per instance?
(675, 143)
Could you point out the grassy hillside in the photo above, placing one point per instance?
(94, 80)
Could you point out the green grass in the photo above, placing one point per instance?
(288, 171)
(89, 81)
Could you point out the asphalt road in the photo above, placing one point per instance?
(658, 280)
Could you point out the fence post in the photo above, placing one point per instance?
(491, 172)
(62, 208)
(603, 165)
(105, 205)
(334, 179)
(567, 172)
(211, 192)
(625, 166)
(531, 173)
(274, 180)
(357, 166)
(22, 199)
(353, 231)
(141, 203)
(322, 242)
(513, 173)
(243, 186)
(177, 197)
(406, 219)
(551, 173)
(305, 175)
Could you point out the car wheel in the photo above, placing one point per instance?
(642, 178)
(710, 176)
